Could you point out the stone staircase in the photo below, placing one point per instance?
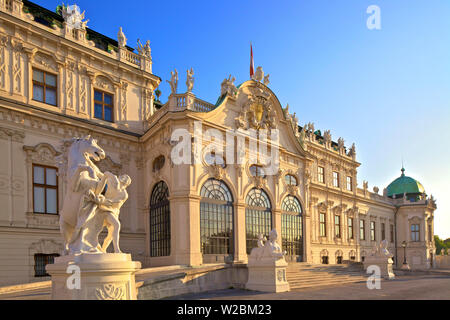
(304, 275)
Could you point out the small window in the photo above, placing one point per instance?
(211, 158)
(323, 230)
(362, 230)
(158, 163)
(290, 180)
(337, 226)
(335, 179)
(415, 234)
(430, 233)
(372, 230)
(350, 228)
(349, 183)
(40, 261)
(383, 231)
(321, 174)
(392, 233)
(103, 106)
(257, 171)
(45, 189)
(44, 87)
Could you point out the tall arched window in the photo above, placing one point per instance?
(258, 217)
(216, 219)
(291, 226)
(160, 221)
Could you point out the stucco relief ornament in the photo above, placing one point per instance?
(173, 81)
(190, 80)
(73, 17)
(87, 207)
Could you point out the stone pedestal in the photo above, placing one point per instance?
(94, 276)
(385, 265)
(267, 275)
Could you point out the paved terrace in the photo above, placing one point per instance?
(406, 287)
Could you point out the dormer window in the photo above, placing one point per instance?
(103, 106)
(44, 87)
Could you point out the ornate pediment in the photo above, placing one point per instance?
(257, 111)
(43, 153)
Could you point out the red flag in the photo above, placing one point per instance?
(252, 66)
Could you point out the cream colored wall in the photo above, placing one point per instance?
(79, 67)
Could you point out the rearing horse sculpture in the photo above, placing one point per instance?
(82, 175)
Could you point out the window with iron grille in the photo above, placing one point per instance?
(216, 218)
(291, 226)
(45, 189)
(160, 221)
(103, 106)
(44, 87)
(40, 261)
(258, 217)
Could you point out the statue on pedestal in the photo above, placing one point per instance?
(190, 80)
(87, 206)
(173, 81)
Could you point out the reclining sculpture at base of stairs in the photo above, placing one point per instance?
(381, 257)
(267, 249)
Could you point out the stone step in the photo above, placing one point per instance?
(296, 286)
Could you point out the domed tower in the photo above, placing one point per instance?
(414, 223)
(405, 185)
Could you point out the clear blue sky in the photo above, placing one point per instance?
(386, 90)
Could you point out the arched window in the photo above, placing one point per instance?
(160, 221)
(291, 226)
(216, 219)
(290, 180)
(258, 217)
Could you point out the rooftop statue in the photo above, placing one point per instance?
(144, 50)
(227, 86)
(190, 80)
(87, 207)
(266, 79)
(173, 81)
(259, 74)
(73, 17)
(121, 39)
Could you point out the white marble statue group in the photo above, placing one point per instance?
(267, 249)
(92, 200)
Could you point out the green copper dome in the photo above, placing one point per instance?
(404, 184)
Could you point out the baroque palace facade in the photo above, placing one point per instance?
(60, 79)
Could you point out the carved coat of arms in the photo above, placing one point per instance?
(257, 112)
